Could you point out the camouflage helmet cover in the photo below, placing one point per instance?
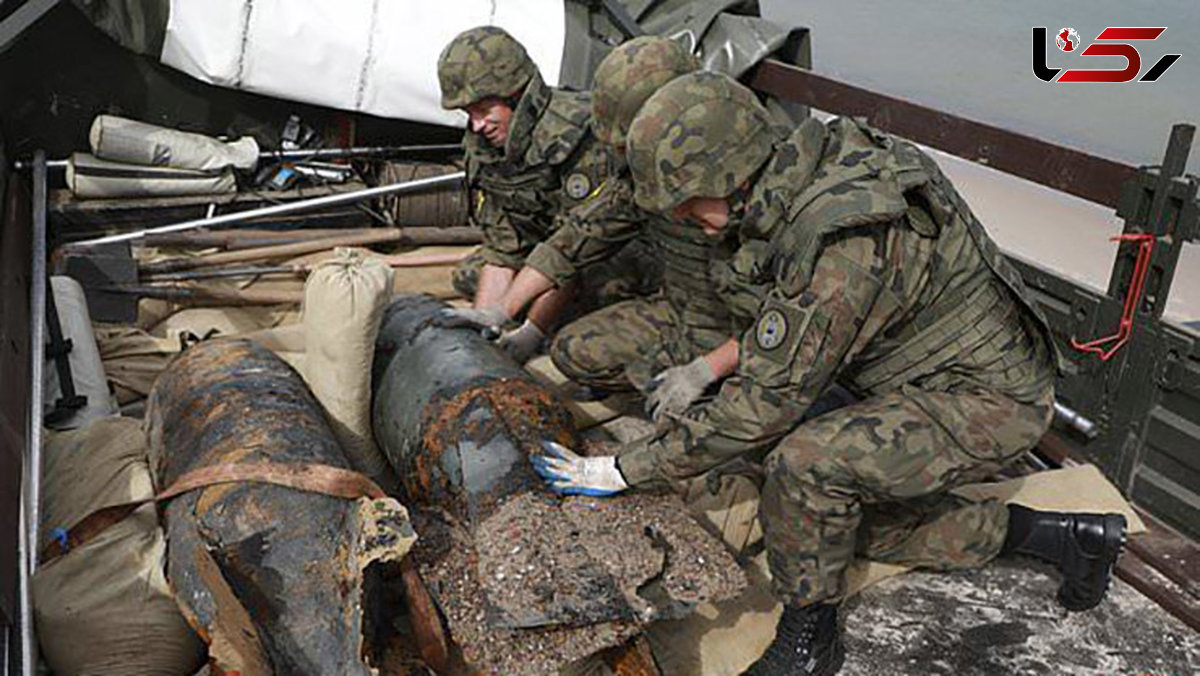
(628, 76)
(700, 135)
(481, 62)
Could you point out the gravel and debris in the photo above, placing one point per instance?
(521, 567)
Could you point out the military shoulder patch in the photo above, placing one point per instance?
(578, 186)
(778, 331)
(771, 330)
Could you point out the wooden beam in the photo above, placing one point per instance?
(1055, 166)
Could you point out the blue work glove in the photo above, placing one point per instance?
(569, 474)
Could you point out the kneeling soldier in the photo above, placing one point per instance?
(532, 160)
(866, 268)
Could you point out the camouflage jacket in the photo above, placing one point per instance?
(592, 231)
(550, 164)
(861, 264)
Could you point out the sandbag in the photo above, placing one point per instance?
(344, 300)
(118, 139)
(133, 358)
(105, 608)
(87, 369)
(90, 177)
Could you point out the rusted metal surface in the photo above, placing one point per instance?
(632, 659)
(270, 576)
(1066, 169)
(528, 581)
(455, 416)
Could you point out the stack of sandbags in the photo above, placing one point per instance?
(106, 608)
(344, 299)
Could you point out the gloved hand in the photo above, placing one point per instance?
(489, 319)
(522, 342)
(673, 390)
(569, 474)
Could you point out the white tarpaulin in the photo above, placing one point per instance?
(374, 56)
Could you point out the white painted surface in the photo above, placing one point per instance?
(374, 56)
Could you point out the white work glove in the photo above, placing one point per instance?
(569, 474)
(673, 390)
(487, 319)
(522, 342)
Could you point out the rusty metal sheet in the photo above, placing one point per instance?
(271, 577)
(1066, 169)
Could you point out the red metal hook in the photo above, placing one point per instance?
(1141, 268)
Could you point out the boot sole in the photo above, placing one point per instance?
(836, 660)
(1115, 532)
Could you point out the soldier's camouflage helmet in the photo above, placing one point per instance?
(482, 62)
(627, 77)
(700, 135)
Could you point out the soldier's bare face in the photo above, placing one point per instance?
(710, 213)
(490, 117)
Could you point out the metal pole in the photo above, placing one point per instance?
(375, 151)
(28, 645)
(288, 208)
(32, 475)
(1075, 420)
(312, 154)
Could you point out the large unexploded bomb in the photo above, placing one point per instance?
(528, 580)
(267, 565)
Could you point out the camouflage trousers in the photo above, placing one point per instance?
(622, 346)
(873, 479)
(631, 273)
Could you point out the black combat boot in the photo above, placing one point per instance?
(1083, 546)
(807, 642)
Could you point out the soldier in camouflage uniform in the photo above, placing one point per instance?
(531, 160)
(864, 266)
(666, 346)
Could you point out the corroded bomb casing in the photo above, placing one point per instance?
(454, 415)
(270, 576)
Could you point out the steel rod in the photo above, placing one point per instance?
(312, 154)
(32, 473)
(1075, 420)
(281, 209)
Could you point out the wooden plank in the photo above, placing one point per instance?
(1171, 554)
(1143, 577)
(1066, 169)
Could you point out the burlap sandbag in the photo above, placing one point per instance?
(105, 608)
(344, 299)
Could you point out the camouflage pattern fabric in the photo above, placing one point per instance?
(700, 135)
(482, 62)
(550, 164)
(630, 273)
(855, 278)
(872, 479)
(621, 346)
(629, 75)
(596, 230)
